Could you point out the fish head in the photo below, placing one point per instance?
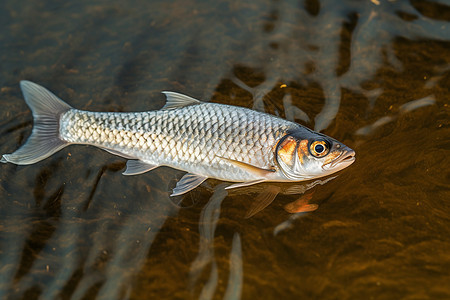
(305, 154)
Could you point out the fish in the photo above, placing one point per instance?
(206, 140)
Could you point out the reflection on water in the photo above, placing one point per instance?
(404, 108)
(207, 227)
(373, 74)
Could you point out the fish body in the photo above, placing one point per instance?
(207, 140)
(198, 138)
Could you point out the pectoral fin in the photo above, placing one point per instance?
(248, 167)
(263, 200)
(188, 182)
(246, 183)
(135, 167)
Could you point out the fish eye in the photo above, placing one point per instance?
(319, 148)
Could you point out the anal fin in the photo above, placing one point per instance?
(135, 167)
(187, 183)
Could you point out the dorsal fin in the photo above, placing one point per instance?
(176, 100)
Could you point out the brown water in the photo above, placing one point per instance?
(373, 74)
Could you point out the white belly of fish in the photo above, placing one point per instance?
(200, 139)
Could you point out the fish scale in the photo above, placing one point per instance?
(209, 132)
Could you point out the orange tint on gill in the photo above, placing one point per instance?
(287, 149)
(302, 150)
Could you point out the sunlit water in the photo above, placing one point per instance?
(373, 74)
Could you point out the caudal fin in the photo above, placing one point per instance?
(44, 139)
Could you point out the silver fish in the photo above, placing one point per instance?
(207, 140)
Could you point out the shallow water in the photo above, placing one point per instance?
(372, 74)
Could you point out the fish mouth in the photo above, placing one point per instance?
(347, 157)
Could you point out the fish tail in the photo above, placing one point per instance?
(45, 138)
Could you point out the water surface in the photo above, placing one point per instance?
(373, 74)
